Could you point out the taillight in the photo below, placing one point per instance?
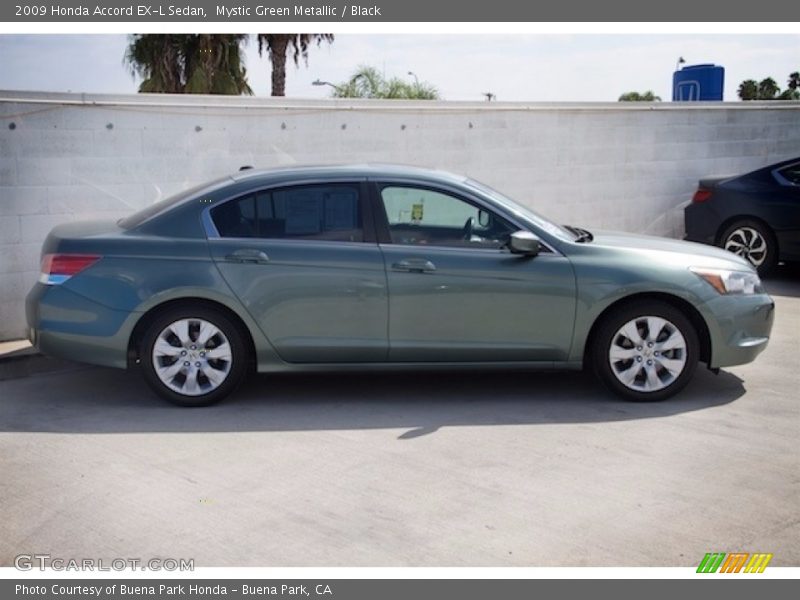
(701, 195)
(57, 268)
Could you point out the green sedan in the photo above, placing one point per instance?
(366, 266)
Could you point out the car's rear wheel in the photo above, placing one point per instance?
(193, 356)
(645, 351)
(754, 242)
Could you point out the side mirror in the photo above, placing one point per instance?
(484, 219)
(525, 243)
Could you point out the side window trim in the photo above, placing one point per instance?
(379, 219)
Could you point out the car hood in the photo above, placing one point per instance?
(691, 253)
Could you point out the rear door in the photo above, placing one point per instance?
(304, 261)
(456, 294)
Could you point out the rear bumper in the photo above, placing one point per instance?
(701, 223)
(739, 327)
(67, 325)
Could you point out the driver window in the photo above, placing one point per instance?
(419, 216)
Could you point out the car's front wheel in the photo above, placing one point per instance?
(645, 351)
(193, 356)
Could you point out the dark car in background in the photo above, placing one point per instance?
(755, 215)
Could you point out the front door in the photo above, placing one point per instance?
(456, 294)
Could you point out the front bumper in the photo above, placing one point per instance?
(739, 327)
(65, 324)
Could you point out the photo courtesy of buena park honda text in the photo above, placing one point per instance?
(399, 299)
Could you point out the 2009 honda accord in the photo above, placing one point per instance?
(355, 267)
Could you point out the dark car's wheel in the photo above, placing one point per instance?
(645, 351)
(193, 356)
(753, 241)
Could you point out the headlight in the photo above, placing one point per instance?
(730, 282)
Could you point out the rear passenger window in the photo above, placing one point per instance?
(313, 212)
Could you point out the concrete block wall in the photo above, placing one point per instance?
(620, 166)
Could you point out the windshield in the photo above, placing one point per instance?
(149, 212)
(523, 211)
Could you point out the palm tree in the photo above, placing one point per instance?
(367, 82)
(648, 96)
(276, 46)
(748, 90)
(792, 91)
(768, 89)
(158, 60)
(188, 64)
(214, 65)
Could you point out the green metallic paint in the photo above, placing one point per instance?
(479, 305)
(136, 274)
(619, 266)
(340, 305)
(63, 323)
(317, 301)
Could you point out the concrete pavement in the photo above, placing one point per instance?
(441, 469)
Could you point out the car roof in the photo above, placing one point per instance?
(285, 175)
(347, 170)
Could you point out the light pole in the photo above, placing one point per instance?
(489, 96)
(414, 75)
(678, 64)
(320, 82)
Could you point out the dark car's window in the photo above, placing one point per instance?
(420, 216)
(317, 212)
(791, 173)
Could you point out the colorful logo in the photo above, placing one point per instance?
(734, 562)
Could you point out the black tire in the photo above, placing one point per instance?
(237, 366)
(607, 334)
(741, 231)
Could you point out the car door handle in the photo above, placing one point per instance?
(414, 265)
(248, 255)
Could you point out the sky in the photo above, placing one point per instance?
(513, 67)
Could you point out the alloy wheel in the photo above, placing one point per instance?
(192, 356)
(647, 354)
(748, 243)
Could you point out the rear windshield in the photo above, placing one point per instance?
(151, 211)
